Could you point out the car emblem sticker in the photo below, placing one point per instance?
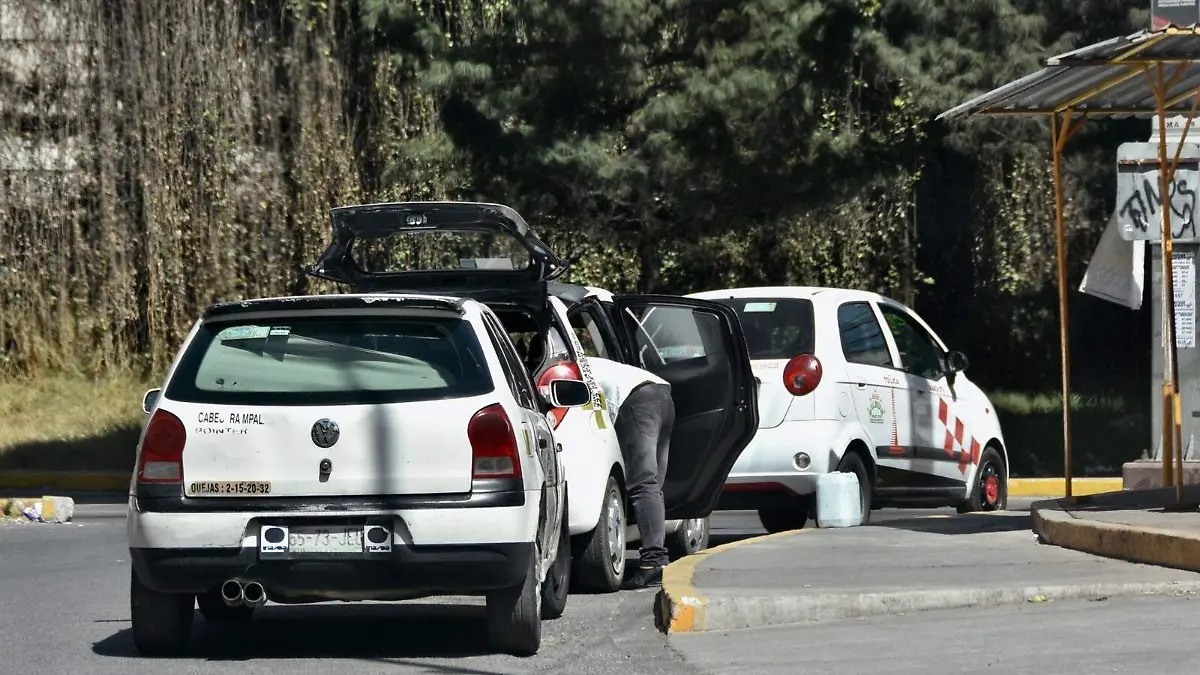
(875, 409)
(325, 433)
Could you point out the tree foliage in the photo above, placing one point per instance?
(194, 148)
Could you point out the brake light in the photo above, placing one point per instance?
(161, 459)
(493, 444)
(563, 370)
(802, 374)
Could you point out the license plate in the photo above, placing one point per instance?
(323, 539)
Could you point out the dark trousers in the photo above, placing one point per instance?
(644, 424)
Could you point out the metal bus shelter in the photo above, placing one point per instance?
(1142, 75)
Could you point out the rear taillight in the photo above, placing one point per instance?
(493, 444)
(563, 370)
(802, 375)
(161, 459)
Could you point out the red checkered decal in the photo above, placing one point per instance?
(955, 444)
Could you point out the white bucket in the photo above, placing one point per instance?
(838, 500)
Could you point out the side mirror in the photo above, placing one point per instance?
(149, 399)
(567, 394)
(956, 362)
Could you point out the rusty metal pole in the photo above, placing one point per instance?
(1058, 135)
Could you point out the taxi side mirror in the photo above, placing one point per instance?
(149, 399)
(563, 393)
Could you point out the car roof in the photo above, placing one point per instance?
(337, 301)
(575, 293)
(800, 292)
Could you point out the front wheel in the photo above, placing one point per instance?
(599, 562)
(690, 539)
(161, 622)
(514, 617)
(990, 489)
(783, 519)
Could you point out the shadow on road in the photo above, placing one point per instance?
(370, 632)
(972, 523)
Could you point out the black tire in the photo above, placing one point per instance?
(985, 497)
(783, 519)
(214, 609)
(690, 539)
(852, 462)
(599, 560)
(514, 616)
(162, 622)
(558, 579)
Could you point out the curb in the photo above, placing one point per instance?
(1146, 545)
(679, 607)
(65, 481)
(1057, 487)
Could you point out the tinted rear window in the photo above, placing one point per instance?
(332, 361)
(775, 328)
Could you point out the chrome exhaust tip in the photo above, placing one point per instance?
(232, 593)
(254, 595)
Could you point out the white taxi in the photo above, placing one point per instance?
(489, 253)
(854, 381)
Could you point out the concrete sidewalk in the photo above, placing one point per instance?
(1143, 526)
(936, 562)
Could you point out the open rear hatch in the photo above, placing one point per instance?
(465, 249)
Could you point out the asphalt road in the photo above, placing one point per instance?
(64, 608)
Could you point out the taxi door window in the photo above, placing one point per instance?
(587, 329)
(919, 355)
(862, 338)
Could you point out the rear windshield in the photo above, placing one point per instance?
(442, 250)
(775, 328)
(332, 361)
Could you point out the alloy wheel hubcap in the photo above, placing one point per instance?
(616, 532)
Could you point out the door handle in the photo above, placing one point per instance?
(862, 385)
(921, 392)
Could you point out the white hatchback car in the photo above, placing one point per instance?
(348, 447)
(854, 381)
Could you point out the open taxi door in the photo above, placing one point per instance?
(698, 347)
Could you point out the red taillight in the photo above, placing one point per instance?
(563, 370)
(802, 375)
(161, 459)
(493, 444)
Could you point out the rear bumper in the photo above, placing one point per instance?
(405, 572)
(765, 475)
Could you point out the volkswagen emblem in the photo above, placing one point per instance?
(325, 433)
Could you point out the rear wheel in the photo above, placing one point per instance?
(783, 519)
(852, 462)
(161, 622)
(690, 539)
(990, 490)
(514, 617)
(558, 579)
(599, 563)
(214, 609)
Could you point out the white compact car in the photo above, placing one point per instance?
(488, 252)
(854, 381)
(348, 447)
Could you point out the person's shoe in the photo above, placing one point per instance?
(643, 577)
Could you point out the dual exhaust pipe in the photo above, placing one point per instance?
(251, 594)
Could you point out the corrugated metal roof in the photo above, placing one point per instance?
(1106, 79)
